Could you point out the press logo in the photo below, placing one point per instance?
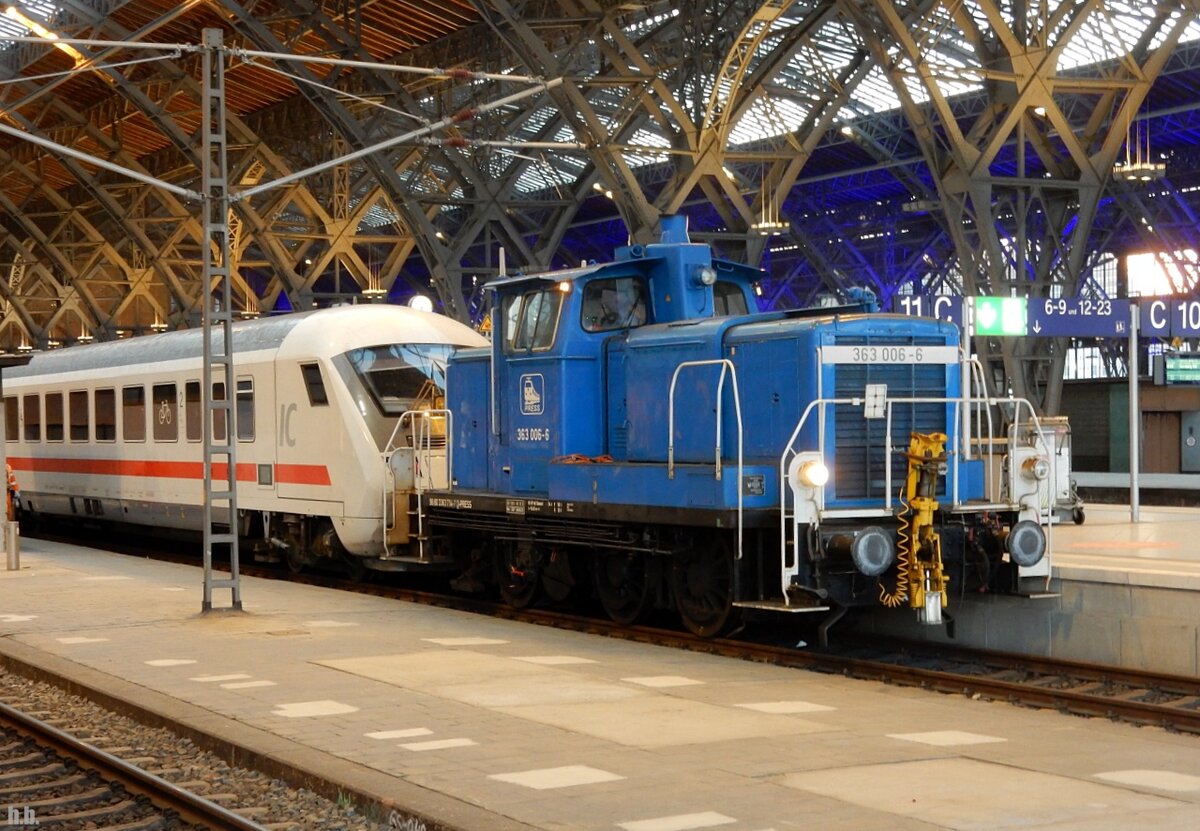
(533, 392)
(22, 817)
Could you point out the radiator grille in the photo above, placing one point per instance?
(859, 442)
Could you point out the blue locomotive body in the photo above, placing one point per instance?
(636, 426)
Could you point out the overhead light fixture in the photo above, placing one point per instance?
(1138, 165)
(39, 29)
(769, 221)
(420, 303)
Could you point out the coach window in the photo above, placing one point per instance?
(165, 415)
(218, 394)
(191, 410)
(133, 413)
(33, 417)
(12, 419)
(245, 409)
(54, 416)
(77, 405)
(314, 384)
(106, 415)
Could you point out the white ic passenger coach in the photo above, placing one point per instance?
(112, 431)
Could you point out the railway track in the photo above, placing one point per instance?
(1093, 690)
(51, 780)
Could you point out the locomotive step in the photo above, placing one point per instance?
(777, 606)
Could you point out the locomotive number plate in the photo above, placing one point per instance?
(889, 354)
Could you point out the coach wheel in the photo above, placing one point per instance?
(295, 560)
(356, 569)
(517, 573)
(622, 585)
(702, 582)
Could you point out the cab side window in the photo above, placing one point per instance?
(729, 299)
(616, 303)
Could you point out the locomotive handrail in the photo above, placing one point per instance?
(726, 366)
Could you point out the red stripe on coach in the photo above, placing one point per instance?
(302, 474)
(246, 472)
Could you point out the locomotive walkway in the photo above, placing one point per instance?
(460, 721)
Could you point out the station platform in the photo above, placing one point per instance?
(452, 720)
(1119, 593)
(1161, 550)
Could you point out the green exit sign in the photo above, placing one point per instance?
(1000, 315)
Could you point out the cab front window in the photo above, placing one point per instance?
(534, 325)
(398, 376)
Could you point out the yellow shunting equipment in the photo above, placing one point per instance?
(920, 579)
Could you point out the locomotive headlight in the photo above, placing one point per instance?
(814, 474)
(808, 472)
(704, 275)
(1036, 467)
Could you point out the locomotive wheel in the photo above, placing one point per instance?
(559, 577)
(702, 582)
(517, 574)
(622, 586)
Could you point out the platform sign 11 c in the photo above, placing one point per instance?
(942, 306)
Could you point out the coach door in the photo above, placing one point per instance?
(305, 440)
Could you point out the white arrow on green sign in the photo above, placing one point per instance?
(1000, 315)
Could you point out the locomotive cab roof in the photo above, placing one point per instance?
(673, 280)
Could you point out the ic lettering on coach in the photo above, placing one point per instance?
(286, 411)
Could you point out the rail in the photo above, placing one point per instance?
(422, 436)
(727, 367)
(790, 565)
(165, 796)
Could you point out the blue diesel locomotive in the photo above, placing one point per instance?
(637, 427)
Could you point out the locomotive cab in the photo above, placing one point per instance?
(556, 338)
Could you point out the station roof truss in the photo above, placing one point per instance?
(931, 146)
